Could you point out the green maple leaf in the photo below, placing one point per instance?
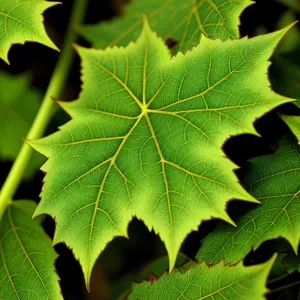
(203, 282)
(19, 104)
(273, 180)
(146, 140)
(26, 256)
(183, 21)
(22, 21)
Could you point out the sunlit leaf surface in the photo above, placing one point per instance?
(22, 21)
(146, 140)
(203, 282)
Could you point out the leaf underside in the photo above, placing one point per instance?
(22, 21)
(146, 140)
(203, 282)
(182, 21)
(26, 256)
(274, 181)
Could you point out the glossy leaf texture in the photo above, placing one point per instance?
(26, 256)
(203, 282)
(274, 181)
(22, 21)
(146, 140)
(19, 104)
(181, 21)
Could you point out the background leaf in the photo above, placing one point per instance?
(26, 256)
(293, 122)
(292, 38)
(273, 180)
(294, 4)
(286, 72)
(183, 21)
(146, 140)
(278, 269)
(19, 104)
(201, 282)
(292, 262)
(21, 21)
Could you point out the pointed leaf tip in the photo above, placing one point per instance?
(231, 282)
(24, 24)
(282, 32)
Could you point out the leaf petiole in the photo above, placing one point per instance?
(284, 287)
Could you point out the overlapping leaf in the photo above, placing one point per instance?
(286, 78)
(293, 122)
(26, 256)
(278, 269)
(273, 180)
(203, 282)
(146, 138)
(18, 106)
(292, 262)
(183, 21)
(21, 21)
(157, 267)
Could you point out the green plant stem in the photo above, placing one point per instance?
(284, 287)
(278, 278)
(47, 108)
